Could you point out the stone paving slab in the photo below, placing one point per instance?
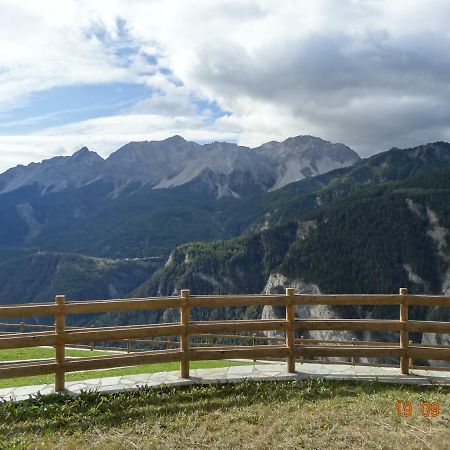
(234, 374)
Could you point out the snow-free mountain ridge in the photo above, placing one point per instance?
(228, 168)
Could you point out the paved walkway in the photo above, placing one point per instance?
(234, 374)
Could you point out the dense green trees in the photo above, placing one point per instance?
(366, 229)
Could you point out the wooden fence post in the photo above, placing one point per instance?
(290, 331)
(60, 322)
(184, 337)
(404, 335)
(21, 327)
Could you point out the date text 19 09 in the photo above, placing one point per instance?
(426, 409)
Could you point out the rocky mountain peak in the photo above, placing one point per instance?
(84, 155)
(231, 168)
(177, 139)
(301, 157)
(83, 152)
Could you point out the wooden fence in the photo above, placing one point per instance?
(291, 348)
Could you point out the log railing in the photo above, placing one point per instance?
(290, 348)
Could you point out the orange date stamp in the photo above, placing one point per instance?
(425, 409)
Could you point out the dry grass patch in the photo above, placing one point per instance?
(312, 414)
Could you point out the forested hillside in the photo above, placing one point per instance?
(374, 236)
(361, 234)
(375, 227)
(41, 276)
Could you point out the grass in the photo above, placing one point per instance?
(312, 414)
(41, 352)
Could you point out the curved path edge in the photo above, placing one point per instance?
(234, 374)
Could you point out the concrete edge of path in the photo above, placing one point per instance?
(234, 374)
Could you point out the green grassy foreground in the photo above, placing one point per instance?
(258, 415)
(38, 352)
(43, 352)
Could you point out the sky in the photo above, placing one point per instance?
(372, 74)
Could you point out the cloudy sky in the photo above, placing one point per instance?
(370, 73)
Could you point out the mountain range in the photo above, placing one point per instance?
(156, 217)
(147, 197)
(230, 168)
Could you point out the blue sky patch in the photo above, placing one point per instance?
(68, 104)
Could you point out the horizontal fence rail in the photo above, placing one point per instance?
(179, 336)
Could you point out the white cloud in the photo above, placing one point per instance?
(47, 43)
(107, 134)
(369, 73)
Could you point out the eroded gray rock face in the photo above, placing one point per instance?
(55, 174)
(305, 156)
(277, 284)
(27, 214)
(415, 278)
(229, 169)
(437, 339)
(439, 235)
(446, 283)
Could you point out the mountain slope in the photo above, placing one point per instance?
(364, 244)
(296, 200)
(365, 234)
(41, 276)
(378, 238)
(147, 197)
